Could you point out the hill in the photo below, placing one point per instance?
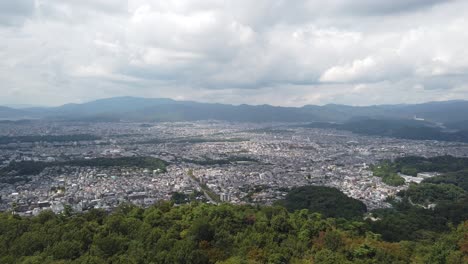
(445, 194)
(201, 233)
(11, 113)
(330, 202)
(398, 128)
(160, 109)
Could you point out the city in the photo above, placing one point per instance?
(239, 163)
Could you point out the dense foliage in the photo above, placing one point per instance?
(459, 178)
(445, 194)
(411, 222)
(443, 164)
(202, 233)
(18, 171)
(182, 198)
(388, 172)
(24, 168)
(228, 160)
(328, 201)
(429, 193)
(455, 169)
(139, 162)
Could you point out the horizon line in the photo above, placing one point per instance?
(29, 106)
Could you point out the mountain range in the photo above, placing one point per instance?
(451, 113)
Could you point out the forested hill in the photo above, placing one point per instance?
(397, 128)
(161, 109)
(202, 233)
(330, 202)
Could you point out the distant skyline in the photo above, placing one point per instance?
(286, 53)
(26, 106)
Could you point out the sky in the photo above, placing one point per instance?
(279, 52)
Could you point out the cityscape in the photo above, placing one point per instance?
(224, 162)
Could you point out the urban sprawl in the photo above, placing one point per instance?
(241, 163)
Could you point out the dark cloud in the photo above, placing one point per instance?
(444, 82)
(372, 7)
(14, 12)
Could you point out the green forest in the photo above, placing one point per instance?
(330, 202)
(388, 172)
(20, 171)
(227, 160)
(203, 233)
(424, 209)
(412, 165)
(453, 169)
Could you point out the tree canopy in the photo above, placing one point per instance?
(202, 233)
(326, 200)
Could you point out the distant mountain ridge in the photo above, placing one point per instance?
(397, 128)
(162, 109)
(12, 113)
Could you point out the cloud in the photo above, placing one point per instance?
(279, 52)
(370, 7)
(350, 72)
(15, 12)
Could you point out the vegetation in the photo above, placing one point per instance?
(18, 171)
(229, 160)
(455, 169)
(408, 219)
(47, 138)
(459, 125)
(139, 162)
(459, 178)
(387, 171)
(182, 198)
(411, 222)
(311, 225)
(443, 164)
(330, 202)
(429, 193)
(24, 168)
(398, 128)
(202, 233)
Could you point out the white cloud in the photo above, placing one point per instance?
(279, 52)
(358, 69)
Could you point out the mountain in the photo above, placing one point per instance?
(442, 112)
(111, 105)
(12, 114)
(457, 125)
(397, 128)
(156, 109)
(445, 111)
(160, 109)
